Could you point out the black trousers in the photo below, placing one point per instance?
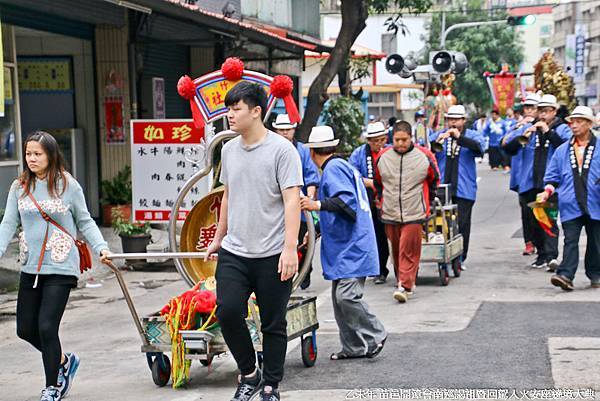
(465, 207)
(527, 220)
(572, 230)
(546, 245)
(238, 277)
(382, 242)
(496, 157)
(39, 312)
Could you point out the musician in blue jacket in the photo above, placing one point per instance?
(574, 174)
(310, 174)
(363, 159)
(494, 131)
(456, 149)
(536, 142)
(513, 124)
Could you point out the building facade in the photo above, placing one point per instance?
(82, 69)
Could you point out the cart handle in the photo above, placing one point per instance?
(159, 255)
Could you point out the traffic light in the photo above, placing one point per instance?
(444, 62)
(522, 20)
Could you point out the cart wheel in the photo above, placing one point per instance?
(208, 362)
(444, 275)
(161, 370)
(456, 267)
(309, 353)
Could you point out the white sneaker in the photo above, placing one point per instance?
(50, 393)
(401, 295)
(552, 266)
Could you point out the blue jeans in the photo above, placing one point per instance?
(572, 230)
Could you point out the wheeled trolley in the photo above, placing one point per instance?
(443, 244)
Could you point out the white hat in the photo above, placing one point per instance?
(375, 130)
(582, 112)
(532, 99)
(321, 137)
(548, 101)
(283, 122)
(457, 111)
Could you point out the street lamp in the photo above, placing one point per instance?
(512, 21)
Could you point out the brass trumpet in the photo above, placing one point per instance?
(523, 139)
(437, 146)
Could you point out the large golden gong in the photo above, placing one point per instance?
(198, 231)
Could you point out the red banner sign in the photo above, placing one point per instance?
(503, 86)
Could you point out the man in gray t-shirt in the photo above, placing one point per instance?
(256, 238)
(256, 175)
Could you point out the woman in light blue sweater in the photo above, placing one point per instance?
(46, 279)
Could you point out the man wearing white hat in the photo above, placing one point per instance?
(542, 138)
(574, 174)
(348, 246)
(363, 159)
(310, 174)
(456, 161)
(530, 114)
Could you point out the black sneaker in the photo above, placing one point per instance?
(539, 263)
(271, 395)
(380, 279)
(247, 388)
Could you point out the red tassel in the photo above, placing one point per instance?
(291, 109)
(196, 115)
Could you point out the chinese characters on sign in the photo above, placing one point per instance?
(160, 168)
(207, 234)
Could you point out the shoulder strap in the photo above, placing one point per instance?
(45, 215)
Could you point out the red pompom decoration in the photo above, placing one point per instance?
(446, 92)
(233, 69)
(187, 90)
(281, 88)
(186, 87)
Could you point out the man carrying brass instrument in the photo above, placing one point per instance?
(529, 114)
(536, 142)
(456, 149)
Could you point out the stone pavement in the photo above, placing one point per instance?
(500, 326)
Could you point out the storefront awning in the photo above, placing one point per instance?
(271, 36)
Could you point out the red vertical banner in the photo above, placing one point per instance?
(503, 87)
(113, 119)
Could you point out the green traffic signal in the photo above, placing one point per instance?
(521, 20)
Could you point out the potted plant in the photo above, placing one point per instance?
(116, 195)
(135, 236)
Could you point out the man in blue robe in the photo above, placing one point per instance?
(348, 246)
(284, 127)
(456, 161)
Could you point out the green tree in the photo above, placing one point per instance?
(354, 16)
(345, 115)
(487, 48)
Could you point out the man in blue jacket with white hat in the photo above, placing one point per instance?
(574, 174)
(348, 246)
(310, 174)
(456, 161)
(363, 159)
(536, 142)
